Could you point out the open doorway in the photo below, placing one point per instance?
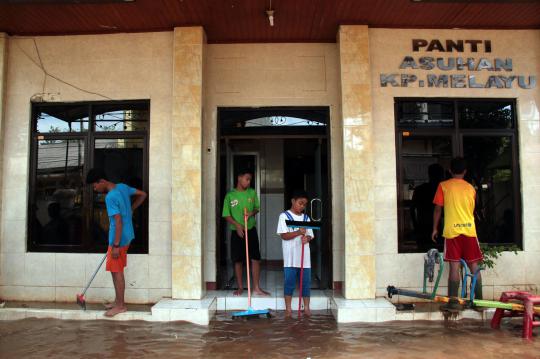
(286, 149)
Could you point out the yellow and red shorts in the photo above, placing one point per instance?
(116, 264)
(460, 247)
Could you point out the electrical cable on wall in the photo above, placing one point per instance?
(46, 73)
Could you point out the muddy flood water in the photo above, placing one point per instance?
(316, 337)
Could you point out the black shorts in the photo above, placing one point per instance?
(238, 246)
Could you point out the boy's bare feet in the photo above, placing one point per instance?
(288, 314)
(109, 305)
(237, 292)
(115, 310)
(259, 291)
(307, 312)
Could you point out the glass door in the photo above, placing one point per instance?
(306, 168)
(317, 210)
(236, 161)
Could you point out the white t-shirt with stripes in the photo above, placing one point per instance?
(292, 248)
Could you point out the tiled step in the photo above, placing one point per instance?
(226, 301)
(382, 310)
(69, 314)
(194, 311)
(201, 311)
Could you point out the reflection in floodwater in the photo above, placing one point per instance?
(315, 337)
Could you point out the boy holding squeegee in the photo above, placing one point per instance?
(238, 199)
(120, 209)
(295, 234)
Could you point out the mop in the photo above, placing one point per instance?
(81, 301)
(250, 312)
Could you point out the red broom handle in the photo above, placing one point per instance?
(247, 255)
(301, 278)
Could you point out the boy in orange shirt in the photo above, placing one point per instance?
(457, 197)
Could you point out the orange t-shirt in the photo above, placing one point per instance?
(457, 197)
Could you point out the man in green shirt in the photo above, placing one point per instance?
(243, 196)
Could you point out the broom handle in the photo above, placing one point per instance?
(93, 275)
(247, 255)
(301, 279)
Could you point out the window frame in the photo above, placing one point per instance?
(457, 135)
(89, 137)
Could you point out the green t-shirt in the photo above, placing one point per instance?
(235, 202)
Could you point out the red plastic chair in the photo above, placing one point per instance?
(529, 301)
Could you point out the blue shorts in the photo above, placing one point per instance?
(292, 276)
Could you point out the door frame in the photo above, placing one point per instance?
(219, 195)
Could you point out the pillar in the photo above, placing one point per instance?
(186, 237)
(356, 105)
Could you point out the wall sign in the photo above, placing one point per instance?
(499, 69)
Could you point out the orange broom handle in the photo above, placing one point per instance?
(247, 255)
(301, 279)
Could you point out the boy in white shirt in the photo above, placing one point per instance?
(293, 240)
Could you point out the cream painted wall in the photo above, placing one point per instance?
(387, 49)
(3, 68)
(119, 67)
(269, 75)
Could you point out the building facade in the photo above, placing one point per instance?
(377, 108)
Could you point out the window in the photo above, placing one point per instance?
(424, 113)
(429, 132)
(67, 140)
(273, 121)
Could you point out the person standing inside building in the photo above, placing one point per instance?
(422, 207)
(119, 210)
(243, 196)
(457, 198)
(294, 241)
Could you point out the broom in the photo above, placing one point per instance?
(81, 301)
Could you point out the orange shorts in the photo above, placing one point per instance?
(118, 264)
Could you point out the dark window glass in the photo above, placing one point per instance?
(423, 160)
(121, 117)
(56, 217)
(426, 114)
(485, 135)
(485, 114)
(273, 121)
(122, 160)
(64, 213)
(490, 171)
(59, 119)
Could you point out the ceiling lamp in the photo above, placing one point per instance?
(270, 14)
